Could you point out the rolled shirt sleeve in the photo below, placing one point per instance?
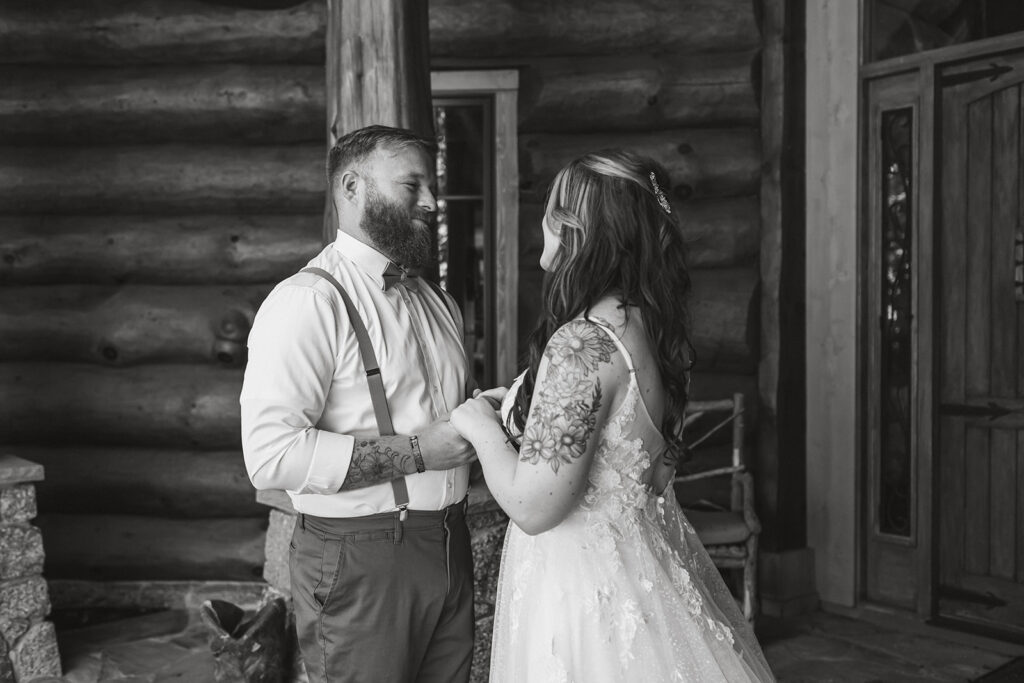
(293, 350)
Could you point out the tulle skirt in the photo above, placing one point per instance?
(618, 595)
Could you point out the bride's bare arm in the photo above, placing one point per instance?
(577, 381)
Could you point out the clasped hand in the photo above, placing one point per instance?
(478, 414)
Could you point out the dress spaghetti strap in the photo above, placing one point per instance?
(618, 343)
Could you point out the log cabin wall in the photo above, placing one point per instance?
(162, 168)
(673, 79)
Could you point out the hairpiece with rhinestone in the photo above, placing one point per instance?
(659, 194)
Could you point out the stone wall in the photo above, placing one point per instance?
(28, 643)
(487, 525)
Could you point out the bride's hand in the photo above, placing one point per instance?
(476, 416)
(494, 396)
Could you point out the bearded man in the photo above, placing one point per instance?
(382, 588)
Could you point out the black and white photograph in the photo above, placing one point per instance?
(511, 341)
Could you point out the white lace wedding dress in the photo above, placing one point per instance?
(622, 590)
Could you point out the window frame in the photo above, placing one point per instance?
(503, 86)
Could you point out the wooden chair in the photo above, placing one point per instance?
(729, 534)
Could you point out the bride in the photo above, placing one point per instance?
(602, 577)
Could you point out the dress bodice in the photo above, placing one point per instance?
(628, 444)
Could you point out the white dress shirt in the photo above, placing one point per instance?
(305, 399)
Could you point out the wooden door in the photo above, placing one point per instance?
(979, 501)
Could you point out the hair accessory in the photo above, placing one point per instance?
(659, 194)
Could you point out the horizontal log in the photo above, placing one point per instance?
(185, 31)
(157, 595)
(123, 547)
(148, 482)
(701, 163)
(269, 104)
(167, 406)
(164, 179)
(724, 319)
(637, 93)
(170, 406)
(127, 325)
(491, 28)
(261, 104)
(721, 232)
(210, 249)
(158, 31)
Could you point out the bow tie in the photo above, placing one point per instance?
(396, 275)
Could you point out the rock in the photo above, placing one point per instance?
(15, 470)
(485, 517)
(487, 544)
(6, 670)
(21, 551)
(481, 667)
(35, 655)
(22, 603)
(17, 504)
(279, 538)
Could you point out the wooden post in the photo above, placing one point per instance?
(378, 71)
(833, 37)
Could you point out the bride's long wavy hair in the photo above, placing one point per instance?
(617, 239)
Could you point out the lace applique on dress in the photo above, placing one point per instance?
(613, 505)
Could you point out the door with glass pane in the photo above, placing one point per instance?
(980, 305)
(896, 533)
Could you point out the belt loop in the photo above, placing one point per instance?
(302, 521)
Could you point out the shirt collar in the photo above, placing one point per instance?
(365, 257)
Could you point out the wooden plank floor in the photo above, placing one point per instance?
(826, 648)
(172, 646)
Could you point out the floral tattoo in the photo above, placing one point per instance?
(564, 413)
(376, 462)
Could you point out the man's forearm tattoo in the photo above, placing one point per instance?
(564, 413)
(376, 461)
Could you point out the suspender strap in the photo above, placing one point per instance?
(444, 300)
(373, 380)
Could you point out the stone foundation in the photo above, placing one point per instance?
(487, 525)
(28, 643)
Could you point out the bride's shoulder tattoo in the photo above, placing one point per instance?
(564, 411)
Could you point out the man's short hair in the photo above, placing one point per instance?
(355, 146)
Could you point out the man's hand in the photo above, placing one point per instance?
(442, 447)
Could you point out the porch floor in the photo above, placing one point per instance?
(171, 646)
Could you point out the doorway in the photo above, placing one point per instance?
(980, 300)
(943, 314)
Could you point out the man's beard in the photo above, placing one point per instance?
(393, 233)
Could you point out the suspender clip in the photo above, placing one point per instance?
(403, 514)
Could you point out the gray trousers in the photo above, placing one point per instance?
(378, 604)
